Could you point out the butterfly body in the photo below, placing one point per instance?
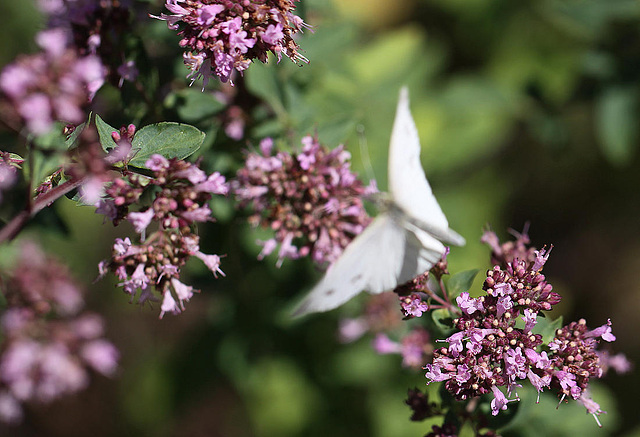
(402, 242)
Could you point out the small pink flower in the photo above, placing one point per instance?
(183, 292)
(102, 356)
(141, 220)
(212, 262)
(169, 305)
(157, 163)
(384, 345)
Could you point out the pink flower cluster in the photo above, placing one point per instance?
(96, 27)
(182, 191)
(312, 200)
(494, 345)
(221, 36)
(52, 85)
(49, 343)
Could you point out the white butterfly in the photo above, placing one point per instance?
(401, 243)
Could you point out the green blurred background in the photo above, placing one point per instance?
(527, 111)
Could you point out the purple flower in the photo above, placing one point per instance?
(212, 262)
(121, 247)
(352, 329)
(169, 305)
(502, 290)
(463, 374)
(48, 343)
(567, 380)
(384, 345)
(183, 292)
(201, 214)
(592, 407)
(504, 304)
(102, 356)
(541, 257)
(207, 14)
(193, 173)
(214, 184)
(455, 343)
(298, 197)
(413, 305)
(603, 331)
(127, 71)
(435, 374)
(515, 363)
(222, 38)
(52, 85)
(267, 247)
(530, 319)
(141, 220)
(414, 346)
(157, 163)
(469, 305)
(499, 401)
(272, 34)
(538, 382)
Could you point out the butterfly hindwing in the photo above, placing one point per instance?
(371, 262)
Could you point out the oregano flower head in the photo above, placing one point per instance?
(153, 267)
(223, 36)
(55, 84)
(312, 200)
(49, 342)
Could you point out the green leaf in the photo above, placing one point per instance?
(54, 140)
(193, 105)
(547, 328)
(262, 81)
(460, 282)
(443, 320)
(616, 118)
(43, 165)
(71, 139)
(171, 140)
(104, 132)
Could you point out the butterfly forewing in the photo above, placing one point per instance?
(371, 262)
(408, 184)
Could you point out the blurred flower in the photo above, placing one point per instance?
(420, 405)
(313, 201)
(95, 27)
(223, 36)
(52, 85)
(127, 71)
(182, 191)
(414, 347)
(501, 254)
(380, 314)
(49, 345)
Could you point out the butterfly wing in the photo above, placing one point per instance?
(398, 245)
(408, 184)
(384, 255)
(369, 261)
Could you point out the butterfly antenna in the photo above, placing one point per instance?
(364, 152)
